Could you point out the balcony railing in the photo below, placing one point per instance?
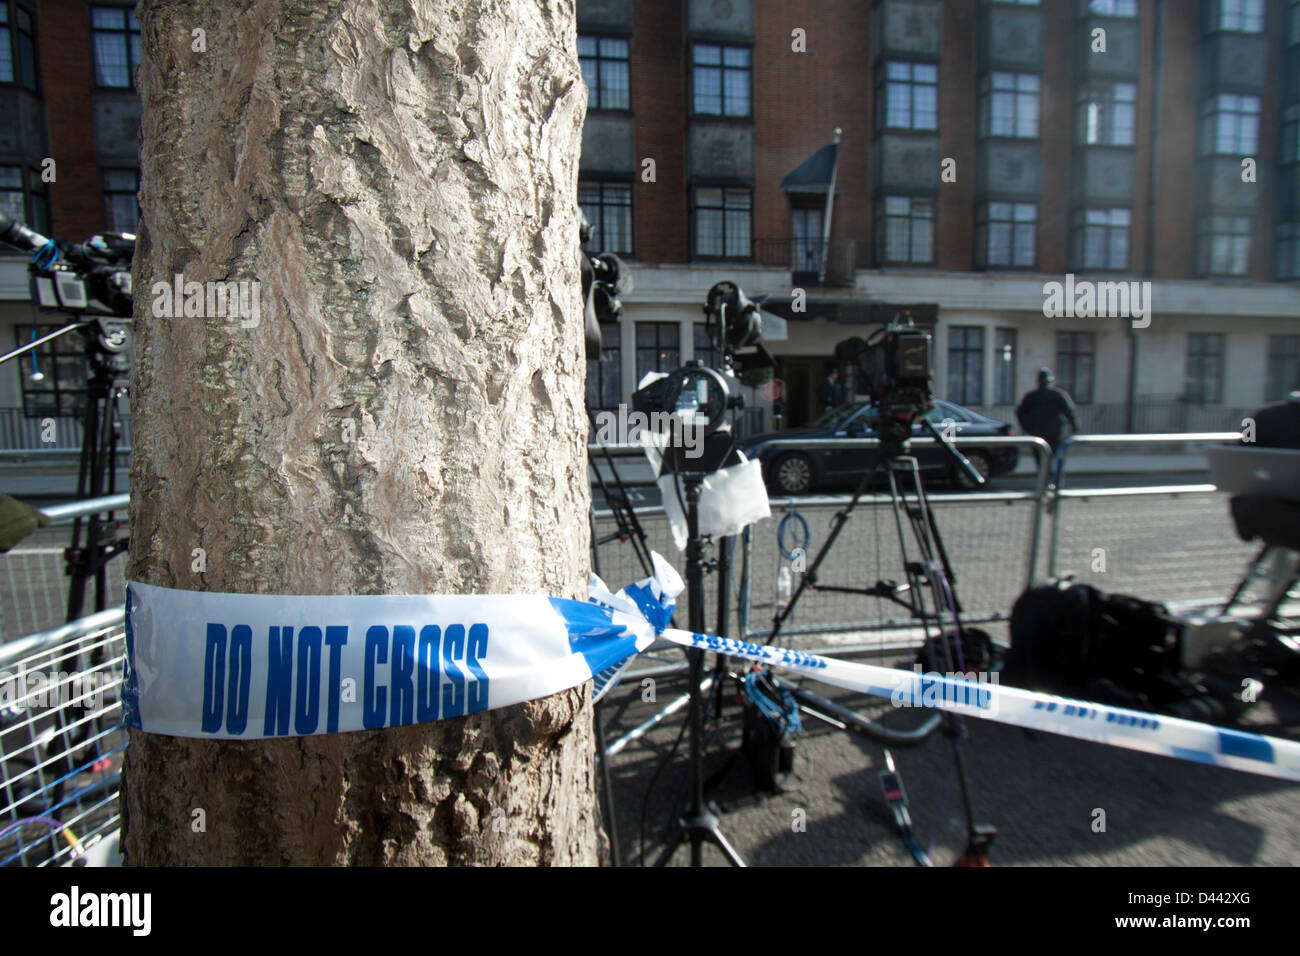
(805, 259)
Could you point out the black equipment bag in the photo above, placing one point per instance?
(1066, 637)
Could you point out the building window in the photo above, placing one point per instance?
(62, 362)
(1004, 366)
(1241, 16)
(6, 45)
(1113, 8)
(705, 351)
(1074, 362)
(17, 46)
(907, 95)
(806, 232)
(604, 62)
(1107, 114)
(657, 348)
(12, 196)
(28, 203)
(722, 223)
(1283, 367)
(1006, 234)
(1101, 238)
(605, 375)
(1009, 105)
(1205, 367)
(965, 365)
(1230, 125)
(115, 33)
(1288, 251)
(721, 79)
(121, 208)
(905, 230)
(1289, 147)
(608, 207)
(1223, 245)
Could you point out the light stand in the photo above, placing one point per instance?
(700, 823)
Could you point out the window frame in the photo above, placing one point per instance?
(659, 347)
(723, 68)
(1245, 13)
(596, 244)
(12, 31)
(990, 94)
(1199, 361)
(126, 32)
(65, 401)
(961, 356)
(1283, 350)
(1210, 139)
(1079, 228)
(984, 226)
(883, 83)
(882, 220)
(1068, 361)
(1090, 9)
(1102, 93)
(727, 192)
(599, 58)
(607, 370)
(105, 193)
(1206, 234)
(31, 187)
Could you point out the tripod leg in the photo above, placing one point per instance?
(728, 851)
(667, 853)
(810, 576)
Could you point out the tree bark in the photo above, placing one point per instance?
(406, 417)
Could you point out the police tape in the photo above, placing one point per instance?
(336, 663)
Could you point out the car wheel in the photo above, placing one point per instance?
(792, 474)
(980, 462)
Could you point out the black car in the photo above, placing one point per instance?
(791, 470)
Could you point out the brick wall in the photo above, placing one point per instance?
(658, 76)
(63, 38)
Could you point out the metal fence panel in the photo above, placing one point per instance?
(61, 744)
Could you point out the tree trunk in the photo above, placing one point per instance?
(405, 417)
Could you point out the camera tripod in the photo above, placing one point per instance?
(929, 574)
(96, 477)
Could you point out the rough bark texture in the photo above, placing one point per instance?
(400, 176)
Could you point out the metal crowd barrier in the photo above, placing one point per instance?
(61, 742)
(1173, 543)
(994, 551)
(61, 736)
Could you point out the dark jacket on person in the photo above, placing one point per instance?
(1044, 412)
(829, 393)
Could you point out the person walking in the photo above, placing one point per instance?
(1045, 410)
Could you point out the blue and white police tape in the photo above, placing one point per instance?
(245, 666)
